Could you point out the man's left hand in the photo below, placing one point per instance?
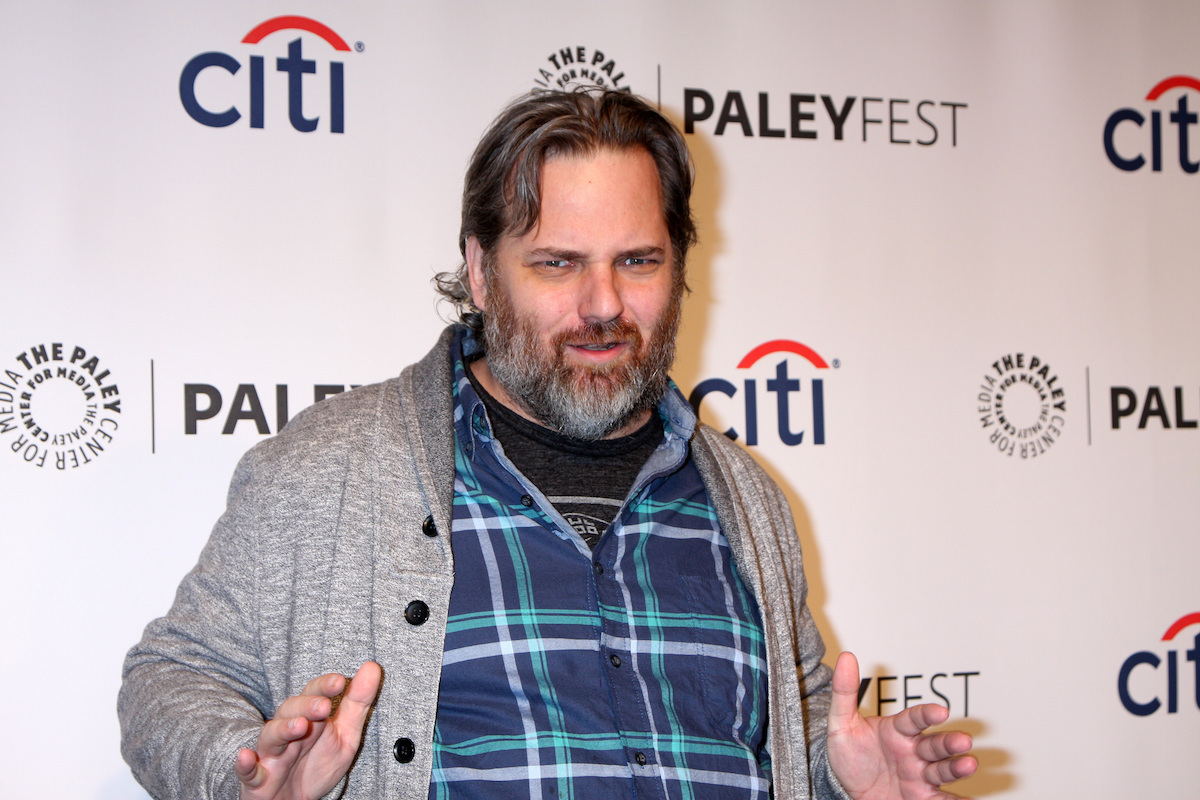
(891, 758)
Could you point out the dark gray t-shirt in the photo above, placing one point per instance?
(586, 481)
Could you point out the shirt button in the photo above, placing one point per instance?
(416, 613)
(527, 501)
(404, 750)
(615, 659)
(597, 568)
(428, 527)
(640, 758)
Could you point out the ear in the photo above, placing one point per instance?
(475, 273)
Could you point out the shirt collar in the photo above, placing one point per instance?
(471, 425)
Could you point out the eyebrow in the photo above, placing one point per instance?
(556, 254)
(642, 252)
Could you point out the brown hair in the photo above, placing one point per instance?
(502, 189)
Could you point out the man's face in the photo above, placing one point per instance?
(581, 312)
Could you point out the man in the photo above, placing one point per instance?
(555, 581)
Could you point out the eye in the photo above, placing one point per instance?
(560, 263)
(640, 262)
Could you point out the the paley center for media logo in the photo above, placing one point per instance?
(1022, 405)
(60, 406)
(576, 66)
(308, 75)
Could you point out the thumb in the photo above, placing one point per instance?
(843, 706)
(356, 699)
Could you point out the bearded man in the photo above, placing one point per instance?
(556, 582)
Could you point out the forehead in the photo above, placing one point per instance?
(611, 192)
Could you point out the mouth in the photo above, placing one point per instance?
(600, 345)
(598, 353)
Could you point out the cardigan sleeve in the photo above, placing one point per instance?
(193, 689)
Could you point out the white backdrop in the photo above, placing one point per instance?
(968, 212)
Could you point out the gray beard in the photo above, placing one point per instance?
(576, 400)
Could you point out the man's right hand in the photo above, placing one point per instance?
(307, 747)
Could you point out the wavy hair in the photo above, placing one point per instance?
(502, 189)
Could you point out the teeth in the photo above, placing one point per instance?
(598, 346)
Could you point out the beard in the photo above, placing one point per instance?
(583, 401)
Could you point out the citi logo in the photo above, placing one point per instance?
(1139, 676)
(1126, 145)
(294, 65)
(791, 421)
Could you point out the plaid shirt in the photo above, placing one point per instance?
(636, 670)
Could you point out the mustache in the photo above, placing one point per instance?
(613, 330)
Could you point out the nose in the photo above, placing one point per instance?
(600, 300)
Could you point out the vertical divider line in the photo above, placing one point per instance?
(1087, 380)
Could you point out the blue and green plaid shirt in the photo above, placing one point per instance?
(636, 670)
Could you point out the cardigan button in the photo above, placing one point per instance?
(428, 527)
(404, 750)
(416, 612)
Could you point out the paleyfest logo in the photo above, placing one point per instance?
(216, 114)
(59, 406)
(204, 401)
(828, 117)
(575, 66)
(793, 425)
(1021, 405)
(1126, 140)
(896, 692)
(1140, 683)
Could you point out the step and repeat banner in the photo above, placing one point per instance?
(946, 293)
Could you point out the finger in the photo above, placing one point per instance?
(940, 746)
(312, 707)
(950, 770)
(359, 696)
(248, 770)
(313, 702)
(844, 703)
(326, 685)
(911, 721)
(278, 733)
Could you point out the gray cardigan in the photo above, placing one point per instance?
(321, 547)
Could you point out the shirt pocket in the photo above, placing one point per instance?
(727, 642)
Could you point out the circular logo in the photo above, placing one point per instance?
(59, 406)
(576, 66)
(1022, 406)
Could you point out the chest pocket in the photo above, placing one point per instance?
(728, 642)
